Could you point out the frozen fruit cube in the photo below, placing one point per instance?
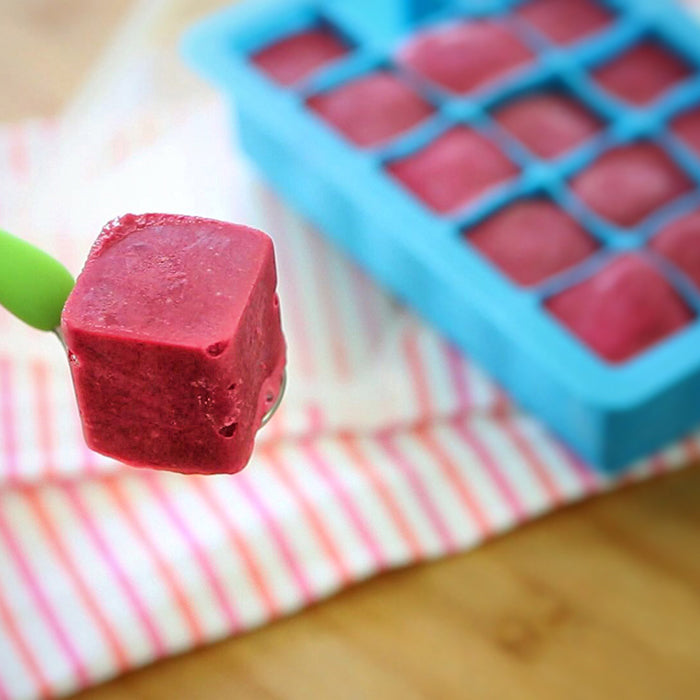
(454, 169)
(642, 74)
(622, 310)
(680, 243)
(566, 21)
(628, 183)
(548, 124)
(372, 109)
(532, 240)
(465, 56)
(687, 128)
(175, 343)
(297, 56)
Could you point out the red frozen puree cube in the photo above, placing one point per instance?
(687, 128)
(566, 21)
(175, 344)
(296, 57)
(454, 169)
(465, 56)
(623, 309)
(680, 243)
(627, 184)
(532, 240)
(372, 109)
(642, 74)
(548, 124)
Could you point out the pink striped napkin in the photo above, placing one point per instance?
(390, 449)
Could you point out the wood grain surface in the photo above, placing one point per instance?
(599, 601)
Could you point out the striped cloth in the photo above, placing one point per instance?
(390, 449)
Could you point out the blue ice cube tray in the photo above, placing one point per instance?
(610, 413)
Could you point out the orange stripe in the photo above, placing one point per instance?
(312, 516)
(447, 465)
(692, 449)
(278, 535)
(94, 528)
(493, 467)
(36, 587)
(87, 595)
(503, 405)
(114, 488)
(527, 452)
(319, 464)
(457, 481)
(202, 555)
(415, 365)
(276, 428)
(392, 506)
(587, 478)
(419, 488)
(659, 465)
(240, 545)
(459, 377)
(326, 289)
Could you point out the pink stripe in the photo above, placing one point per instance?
(421, 493)
(166, 573)
(247, 554)
(23, 649)
(367, 303)
(385, 493)
(44, 419)
(316, 418)
(89, 459)
(312, 516)
(295, 566)
(293, 304)
(7, 420)
(43, 604)
(65, 244)
(232, 617)
(529, 454)
(4, 693)
(457, 481)
(502, 404)
(487, 460)
(19, 161)
(342, 494)
(120, 574)
(85, 593)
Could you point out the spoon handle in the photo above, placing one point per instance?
(33, 286)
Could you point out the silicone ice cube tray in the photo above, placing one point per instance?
(523, 173)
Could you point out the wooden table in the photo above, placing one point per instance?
(599, 601)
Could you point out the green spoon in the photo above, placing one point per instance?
(33, 286)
